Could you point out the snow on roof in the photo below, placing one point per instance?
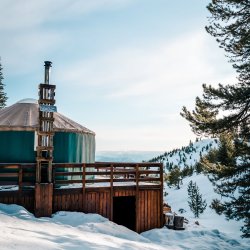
(28, 100)
(23, 115)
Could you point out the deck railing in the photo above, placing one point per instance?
(17, 175)
(85, 175)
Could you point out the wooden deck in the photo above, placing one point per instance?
(91, 188)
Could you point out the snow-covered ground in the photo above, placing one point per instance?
(209, 219)
(71, 230)
(211, 222)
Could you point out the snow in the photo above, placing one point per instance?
(177, 198)
(19, 229)
(9, 188)
(106, 184)
(193, 239)
(211, 225)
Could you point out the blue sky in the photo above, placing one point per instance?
(123, 68)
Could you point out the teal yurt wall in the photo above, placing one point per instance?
(74, 147)
(17, 146)
(73, 143)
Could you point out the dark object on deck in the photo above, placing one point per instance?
(173, 221)
(178, 222)
(169, 220)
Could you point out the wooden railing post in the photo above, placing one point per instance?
(20, 177)
(137, 198)
(20, 181)
(84, 187)
(161, 188)
(137, 175)
(54, 174)
(111, 190)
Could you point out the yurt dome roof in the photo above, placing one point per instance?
(23, 115)
(28, 100)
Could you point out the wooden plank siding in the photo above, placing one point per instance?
(90, 196)
(25, 199)
(148, 212)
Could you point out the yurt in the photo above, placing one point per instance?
(73, 143)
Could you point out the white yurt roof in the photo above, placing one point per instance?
(23, 115)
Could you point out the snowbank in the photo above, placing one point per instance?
(19, 229)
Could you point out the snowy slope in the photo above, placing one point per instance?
(71, 230)
(178, 198)
(188, 155)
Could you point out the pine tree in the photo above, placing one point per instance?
(229, 23)
(195, 202)
(198, 167)
(174, 177)
(187, 171)
(228, 170)
(3, 97)
(226, 110)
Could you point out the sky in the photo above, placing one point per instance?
(122, 68)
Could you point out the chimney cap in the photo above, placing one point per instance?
(47, 63)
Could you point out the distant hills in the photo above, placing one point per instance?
(126, 156)
(187, 155)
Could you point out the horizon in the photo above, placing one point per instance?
(122, 69)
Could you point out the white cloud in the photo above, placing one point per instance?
(29, 29)
(171, 67)
(156, 82)
(147, 137)
(27, 49)
(21, 14)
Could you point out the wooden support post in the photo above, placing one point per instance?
(44, 181)
(43, 199)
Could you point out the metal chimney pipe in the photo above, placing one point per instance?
(47, 65)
